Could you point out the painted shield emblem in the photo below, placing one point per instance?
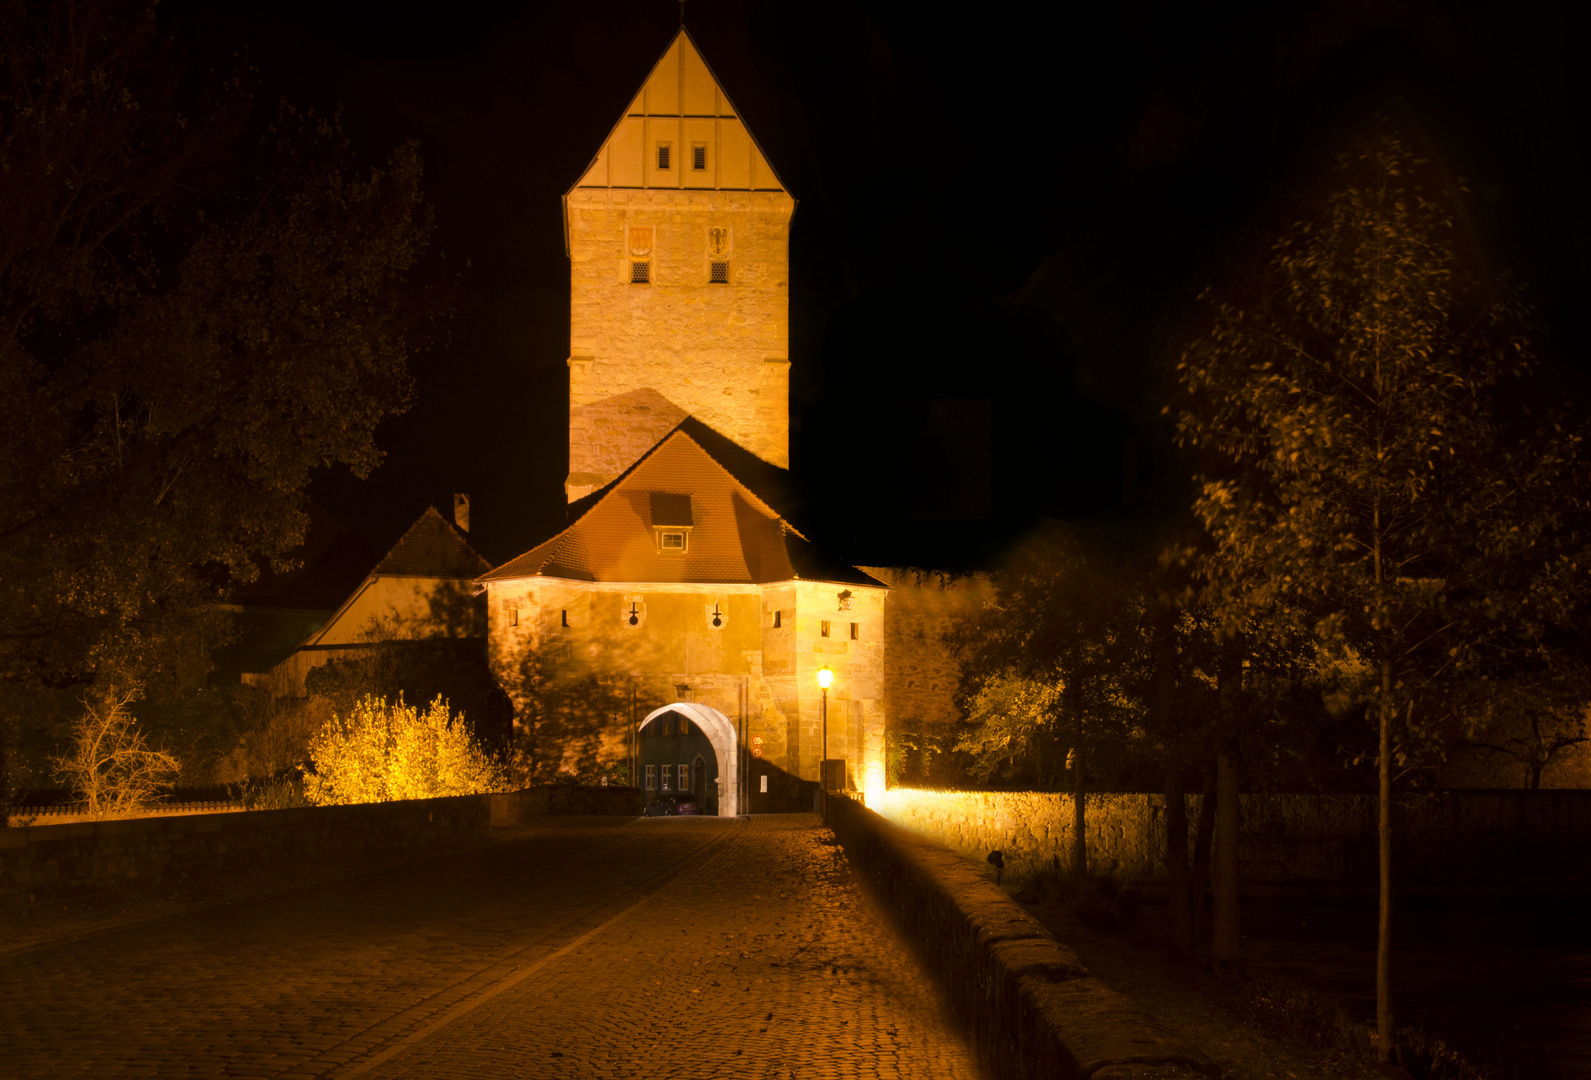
(718, 242)
(640, 240)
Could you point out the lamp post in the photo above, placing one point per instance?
(825, 678)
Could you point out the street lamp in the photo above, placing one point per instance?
(825, 678)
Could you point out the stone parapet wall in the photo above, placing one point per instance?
(49, 861)
(1032, 1008)
(1456, 837)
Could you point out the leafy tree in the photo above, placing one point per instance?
(109, 762)
(195, 312)
(1369, 480)
(383, 752)
(1044, 671)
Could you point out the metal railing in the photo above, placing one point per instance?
(80, 809)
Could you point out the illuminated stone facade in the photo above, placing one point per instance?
(678, 240)
(676, 592)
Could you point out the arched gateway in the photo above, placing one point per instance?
(720, 733)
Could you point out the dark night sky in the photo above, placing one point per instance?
(990, 207)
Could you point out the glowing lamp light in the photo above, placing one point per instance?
(825, 678)
(873, 784)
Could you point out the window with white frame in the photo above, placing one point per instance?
(651, 777)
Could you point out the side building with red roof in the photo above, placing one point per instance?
(421, 590)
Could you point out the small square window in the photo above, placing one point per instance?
(671, 541)
(651, 777)
(699, 156)
(662, 155)
(856, 631)
(823, 631)
(719, 274)
(778, 619)
(640, 271)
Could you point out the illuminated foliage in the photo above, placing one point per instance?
(1361, 478)
(109, 763)
(383, 751)
(1009, 717)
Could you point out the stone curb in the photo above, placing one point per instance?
(1034, 1010)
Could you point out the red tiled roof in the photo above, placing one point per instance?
(433, 547)
(734, 535)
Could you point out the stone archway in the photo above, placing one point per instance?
(720, 731)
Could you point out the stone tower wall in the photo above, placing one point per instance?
(644, 356)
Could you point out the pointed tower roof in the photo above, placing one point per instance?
(682, 105)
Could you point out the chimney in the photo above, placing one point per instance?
(461, 512)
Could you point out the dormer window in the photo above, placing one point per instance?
(672, 521)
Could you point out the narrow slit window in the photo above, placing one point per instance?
(823, 631)
(513, 616)
(856, 631)
(719, 274)
(777, 619)
(564, 616)
(662, 156)
(699, 157)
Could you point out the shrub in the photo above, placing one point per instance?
(109, 764)
(384, 751)
(274, 793)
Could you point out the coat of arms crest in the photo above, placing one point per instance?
(718, 242)
(640, 240)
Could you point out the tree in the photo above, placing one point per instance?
(1046, 671)
(1368, 478)
(109, 762)
(196, 310)
(383, 751)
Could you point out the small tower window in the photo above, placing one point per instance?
(823, 630)
(513, 616)
(856, 631)
(719, 274)
(662, 155)
(699, 156)
(564, 616)
(777, 620)
(640, 271)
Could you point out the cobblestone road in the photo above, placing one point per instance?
(656, 948)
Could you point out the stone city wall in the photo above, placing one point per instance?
(49, 861)
(1456, 837)
(922, 670)
(1032, 1008)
